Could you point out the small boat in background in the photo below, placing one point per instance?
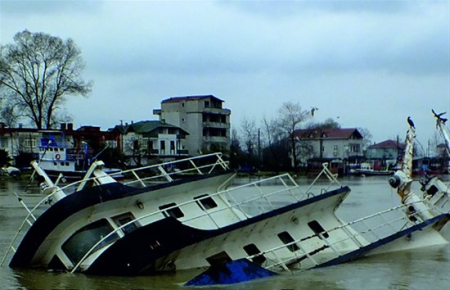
(367, 169)
(56, 158)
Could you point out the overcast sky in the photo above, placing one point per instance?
(368, 64)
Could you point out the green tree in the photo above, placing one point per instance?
(37, 74)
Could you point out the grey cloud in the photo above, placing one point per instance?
(47, 7)
(292, 8)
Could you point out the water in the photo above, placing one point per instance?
(426, 268)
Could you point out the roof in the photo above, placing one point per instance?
(189, 98)
(339, 133)
(145, 127)
(387, 144)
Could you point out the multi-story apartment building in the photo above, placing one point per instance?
(203, 117)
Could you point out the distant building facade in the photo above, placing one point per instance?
(330, 143)
(386, 150)
(17, 141)
(145, 140)
(203, 118)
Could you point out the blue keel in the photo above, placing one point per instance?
(232, 272)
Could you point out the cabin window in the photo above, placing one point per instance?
(123, 219)
(432, 190)
(286, 238)
(252, 250)
(85, 238)
(219, 259)
(205, 202)
(318, 229)
(172, 210)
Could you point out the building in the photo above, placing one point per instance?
(203, 117)
(331, 143)
(146, 140)
(386, 150)
(335, 146)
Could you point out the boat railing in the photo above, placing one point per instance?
(365, 231)
(152, 172)
(192, 165)
(286, 189)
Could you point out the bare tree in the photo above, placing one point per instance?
(249, 135)
(38, 72)
(367, 137)
(9, 115)
(291, 115)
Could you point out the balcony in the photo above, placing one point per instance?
(208, 124)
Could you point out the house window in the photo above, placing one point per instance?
(111, 143)
(335, 150)
(354, 148)
(286, 238)
(318, 229)
(252, 250)
(135, 145)
(162, 146)
(206, 104)
(30, 143)
(205, 202)
(172, 210)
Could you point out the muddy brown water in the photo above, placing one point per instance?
(425, 268)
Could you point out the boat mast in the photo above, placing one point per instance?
(403, 178)
(440, 124)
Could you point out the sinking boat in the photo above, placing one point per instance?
(187, 214)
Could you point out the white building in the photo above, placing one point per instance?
(145, 140)
(203, 117)
(331, 143)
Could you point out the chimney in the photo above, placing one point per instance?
(63, 126)
(70, 126)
